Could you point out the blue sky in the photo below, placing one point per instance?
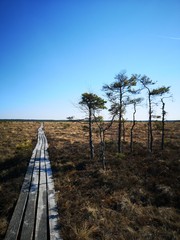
(53, 51)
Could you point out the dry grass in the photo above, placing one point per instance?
(136, 198)
(17, 140)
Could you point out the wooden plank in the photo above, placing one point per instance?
(41, 217)
(54, 227)
(46, 143)
(39, 141)
(30, 214)
(16, 220)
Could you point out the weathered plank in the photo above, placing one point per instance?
(41, 217)
(30, 214)
(15, 223)
(54, 227)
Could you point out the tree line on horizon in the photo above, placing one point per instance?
(122, 92)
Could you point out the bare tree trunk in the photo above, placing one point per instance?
(119, 133)
(120, 124)
(150, 133)
(132, 128)
(102, 131)
(163, 123)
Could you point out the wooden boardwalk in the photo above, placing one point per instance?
(35, 216)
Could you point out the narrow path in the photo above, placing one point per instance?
(35, 216)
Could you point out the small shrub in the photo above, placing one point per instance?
(120, 156)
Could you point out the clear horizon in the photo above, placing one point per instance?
(52, 52)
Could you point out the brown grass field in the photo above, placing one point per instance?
(137, 197)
